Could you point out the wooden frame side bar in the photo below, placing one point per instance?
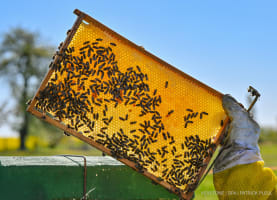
(56, 59)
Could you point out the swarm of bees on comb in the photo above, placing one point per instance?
(93, 84)
(126, 102)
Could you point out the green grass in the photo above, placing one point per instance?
(269, 154)
(206, 189)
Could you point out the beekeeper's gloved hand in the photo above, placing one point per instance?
(239, 171)
(242, 144)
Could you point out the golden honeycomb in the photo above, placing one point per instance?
(139, 108)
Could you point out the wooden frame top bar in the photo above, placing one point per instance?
(130, 43)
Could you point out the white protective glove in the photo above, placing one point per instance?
(242, 144)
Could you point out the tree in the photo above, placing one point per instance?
(3, 113)
(22, 65)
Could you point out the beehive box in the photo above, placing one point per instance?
(121, 99)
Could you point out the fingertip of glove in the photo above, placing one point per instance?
(231, 106)
(228, 100)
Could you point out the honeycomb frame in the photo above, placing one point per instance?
(163, 72)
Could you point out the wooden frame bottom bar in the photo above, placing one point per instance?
(103, 149)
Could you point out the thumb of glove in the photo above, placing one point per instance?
(242, 145)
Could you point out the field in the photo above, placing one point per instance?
(269, 154)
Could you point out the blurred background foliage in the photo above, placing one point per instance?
(268, 136)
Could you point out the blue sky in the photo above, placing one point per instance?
(228, 45)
